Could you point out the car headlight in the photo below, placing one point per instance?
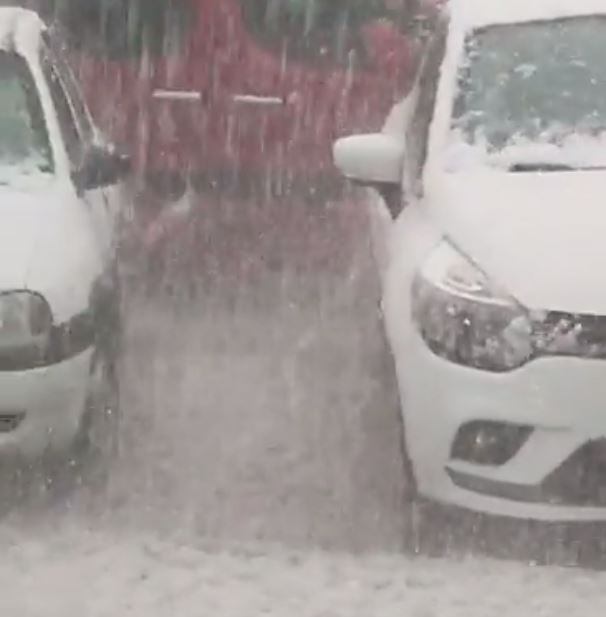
(463, 317)
(25, 328)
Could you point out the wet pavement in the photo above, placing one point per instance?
(261, 429)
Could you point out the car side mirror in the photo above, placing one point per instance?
(375, 160)
(101, 167)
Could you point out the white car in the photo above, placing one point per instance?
(492, 250)
(60, 193)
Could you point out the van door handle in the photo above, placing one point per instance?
(176, 95)
(260, 101)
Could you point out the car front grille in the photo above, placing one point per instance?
(567, 334)
(581, 479)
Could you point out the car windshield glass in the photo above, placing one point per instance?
(541, 83)
(24, 144)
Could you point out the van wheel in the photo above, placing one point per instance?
(55, 474)
(99, 429)
(97, 442)
(102, 412)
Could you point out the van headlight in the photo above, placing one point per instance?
(463, 317)
(25, 328)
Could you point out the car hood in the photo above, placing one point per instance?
(22, 216)
(542, 236)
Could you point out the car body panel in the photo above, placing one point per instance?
(18, 237)
(64, 271)
(52, 400)
(525, 219)
(536, 236)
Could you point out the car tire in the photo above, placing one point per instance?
(427, 526)
(411, 510)
(99, 429)
(96, 443)
(98, 435)
(433, 529)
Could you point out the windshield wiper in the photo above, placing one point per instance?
(551, 167)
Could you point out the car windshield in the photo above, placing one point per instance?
(540, 83)
(24, 144)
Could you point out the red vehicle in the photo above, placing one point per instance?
(235, 89)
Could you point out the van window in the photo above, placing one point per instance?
(53, 55)
(65, 116)
(124, 28)
(312, 30)
(24, 143)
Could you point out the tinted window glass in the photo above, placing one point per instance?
(24, 144)
(67, 123)
(313, 29)
(124, 28)
(56, 57)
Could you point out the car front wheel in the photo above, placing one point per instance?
(99, 429)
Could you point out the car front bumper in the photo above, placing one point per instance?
(41, 409)
(562, 401)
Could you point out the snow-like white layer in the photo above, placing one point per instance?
(22, 28)
(94, 575)
(477, 13)
(23, 176)
(576, 151)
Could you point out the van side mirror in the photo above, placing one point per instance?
(375, 160)
(101, 167)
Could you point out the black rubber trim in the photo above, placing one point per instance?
(521, 493)
(72, 338)
(91, 327)
(65, 341)
(547, 493)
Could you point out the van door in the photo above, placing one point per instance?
(303, 75)
(123, 50)
(115, 197)
(217, 86)
(76, 143)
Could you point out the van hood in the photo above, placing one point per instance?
(542, 236)
(21, 218)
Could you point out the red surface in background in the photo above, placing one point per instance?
(222, 60)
